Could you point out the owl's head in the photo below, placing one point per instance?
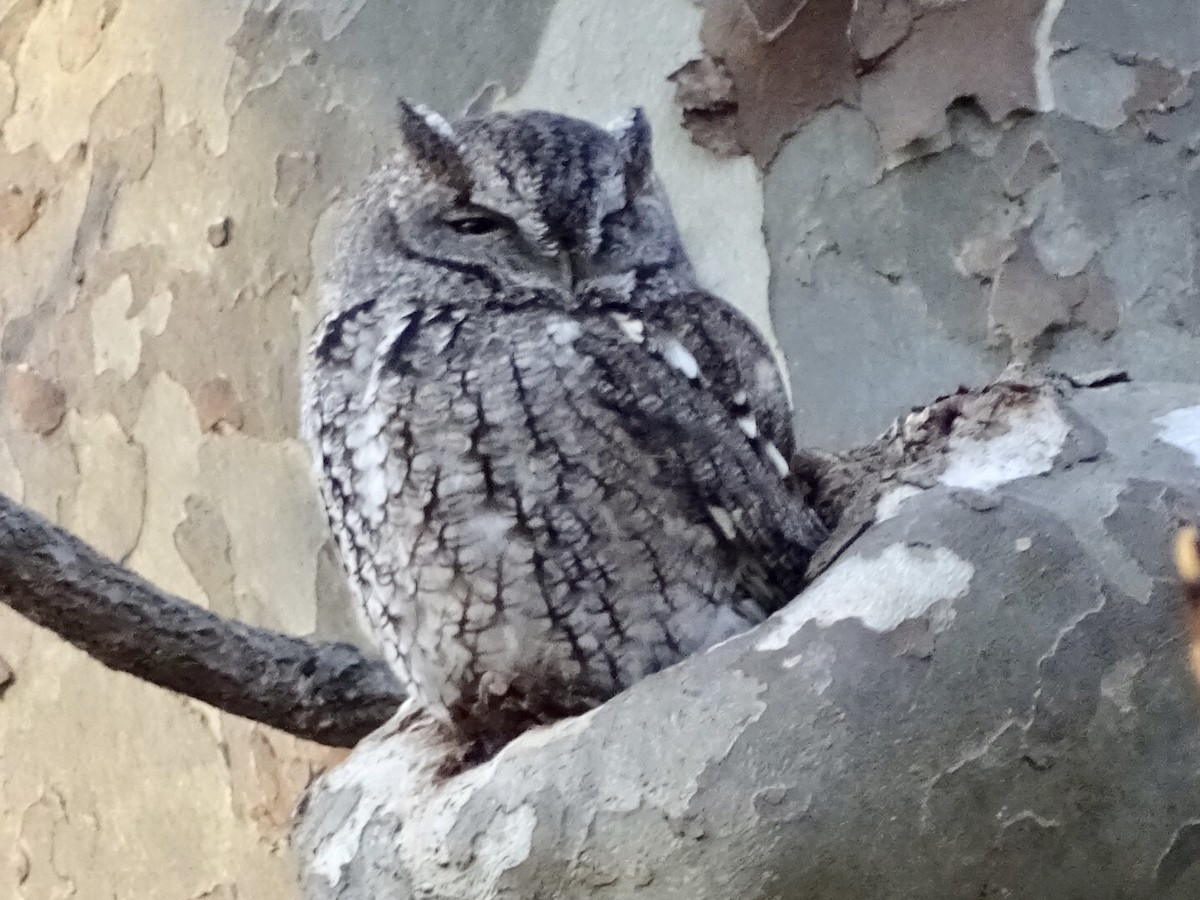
(533, 199)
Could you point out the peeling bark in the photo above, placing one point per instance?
(325, 692)
(784, 61)
(986, 694)
(903, 63)
(991, 647)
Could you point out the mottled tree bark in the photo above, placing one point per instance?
(986, 694)
(985, 691)
(326, 692)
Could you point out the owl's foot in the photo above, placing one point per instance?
(472, 753)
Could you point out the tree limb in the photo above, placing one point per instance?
(325, 692)
(984, 695)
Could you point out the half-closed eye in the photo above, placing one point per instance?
(474, 221)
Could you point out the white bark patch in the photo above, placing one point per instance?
(168, 432)
(1034, 439)
(375, 777)
(507, 843)
(901, 583)
(889, 504)
(116, 335)
(389, 778)
(1116, 685)
(1045, 53)
(1181, 428)
(458, 837)
(501, 843)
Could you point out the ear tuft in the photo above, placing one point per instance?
(632, 132)
(433, 144)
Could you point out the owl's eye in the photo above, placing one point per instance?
(473, 223)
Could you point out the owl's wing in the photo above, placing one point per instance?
(735, 365)
(719, 448)
(541, 412)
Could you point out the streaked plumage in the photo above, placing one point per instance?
(553, 463)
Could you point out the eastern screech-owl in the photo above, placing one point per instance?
(553, 464)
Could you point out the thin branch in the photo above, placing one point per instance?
(325, 692)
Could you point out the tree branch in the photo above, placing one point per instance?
(322, 691)
(983, 696)
(329, 692)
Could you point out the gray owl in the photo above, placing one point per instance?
(553, 464)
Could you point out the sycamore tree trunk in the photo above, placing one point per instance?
(986, 695)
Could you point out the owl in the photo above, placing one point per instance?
(553, 464)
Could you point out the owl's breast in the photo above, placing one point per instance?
(517, 541)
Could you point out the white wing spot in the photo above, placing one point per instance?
(749, 427)
(634, 329)
(723, 521)
(386, 347)
(740, 398)
(678, 357)
(563, 331)
(766, 375)
(777, 459)
(621, 122)
(435, 121)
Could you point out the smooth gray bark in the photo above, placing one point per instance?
(986, 695)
